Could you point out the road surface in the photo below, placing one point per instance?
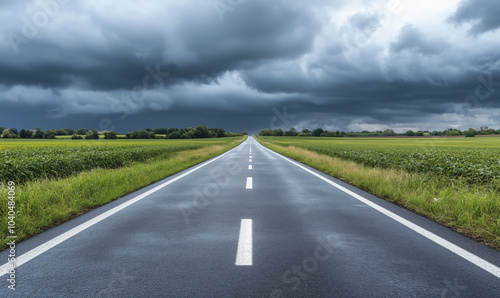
(251, 223)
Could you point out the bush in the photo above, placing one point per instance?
(174, 135)
(92, 135)
(110, 135)
(469, 134)
(49, 135)
(76, 137)
(388, 133)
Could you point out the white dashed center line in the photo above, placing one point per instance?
(245, 246)
(249, 183)
(250, 167)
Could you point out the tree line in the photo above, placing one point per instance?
(148, 133)
(292, 132)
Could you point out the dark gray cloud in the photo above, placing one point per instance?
(482, 14)
(331, 64)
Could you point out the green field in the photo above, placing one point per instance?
(455, 181)
(27, 160)
(59, 179)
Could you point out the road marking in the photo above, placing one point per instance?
(244, 252)
(250, 167)
(250, 160)
(483, 264)
(23, 259)
(249, 183)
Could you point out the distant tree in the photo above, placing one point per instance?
(160, 131)
(92, 135)
(152, 135)
(49, 135)
(306, 131)
(291, 133)
(7, 133)
(453, 133)
(409, 133)
(76, 137)
(278, 132)
(2, 129)
(266, 132)
(148, 130)
(437, 133)
(171, 130)
(317, 132)
(14, 131)
(70, 131)
(419, 133)
(201, 132)
(387, 132)
(174, 135)
(212, 134)
(81, 131)
(221, 132)
(38, 133)
(470, 133)
(143, 134)
(110, 135)
(25, 134)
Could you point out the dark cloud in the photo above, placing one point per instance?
(331, 64)
(482, 14)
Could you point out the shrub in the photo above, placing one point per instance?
(469, 134)
(110, 135)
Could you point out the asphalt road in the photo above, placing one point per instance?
(275, 229)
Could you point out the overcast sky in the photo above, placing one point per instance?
(247, 65)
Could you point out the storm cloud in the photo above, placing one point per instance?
(248, 65)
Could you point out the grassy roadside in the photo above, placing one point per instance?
(471, 210)
(45, 203)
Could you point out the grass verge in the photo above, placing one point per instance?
(43, 204)
(473, 210)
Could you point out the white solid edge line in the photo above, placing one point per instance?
(483, 264)
(250, 167)
(249, 183)
(244, 252)
(28, 256)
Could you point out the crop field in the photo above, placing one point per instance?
(56, 180)
(27, 160)
(476, 160)
(454, 181)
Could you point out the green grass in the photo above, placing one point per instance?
(43, 203)
(388, 168)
